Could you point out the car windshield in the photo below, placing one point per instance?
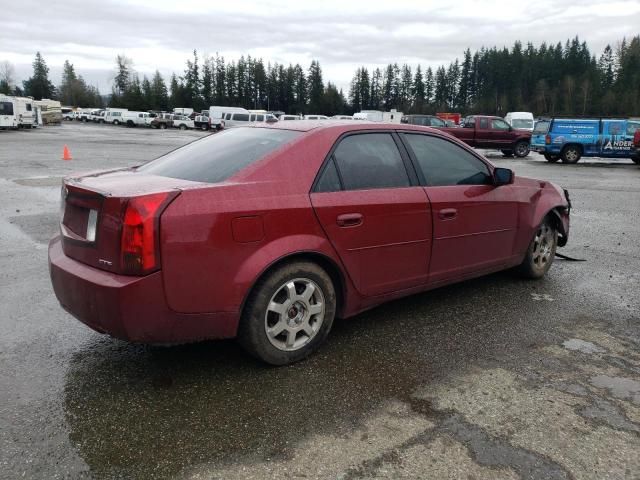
(521, 123)
(217, 157)
(541, 127)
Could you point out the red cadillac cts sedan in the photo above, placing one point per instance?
(267, 233)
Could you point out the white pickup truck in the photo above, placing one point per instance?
(136, 119)
(183, 122)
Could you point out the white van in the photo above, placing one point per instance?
(315, 117)
(520, 120)
(341, 117)
(8, 117)
(24, 111)
(290, 117)
(218, 114)
(114, 115)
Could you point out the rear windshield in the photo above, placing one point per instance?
(541, 127)
(6, 108)
(521, 123)
(217, 157)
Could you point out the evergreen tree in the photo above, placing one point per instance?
(159, 93)
(418, 93)
(375, 98)
(429, 87)
(207, 82)
(316, 88)
(39, 86)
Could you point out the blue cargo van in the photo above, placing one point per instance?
(569, 139)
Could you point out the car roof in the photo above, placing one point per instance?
(342, 126)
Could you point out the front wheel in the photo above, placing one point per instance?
(289, 314)
(521, 149)
(551, 158)
(183, 127)
(116, 122)
(541, 251)
(571, 154)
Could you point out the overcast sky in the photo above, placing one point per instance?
(342, 35)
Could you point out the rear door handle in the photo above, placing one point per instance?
(448, 213)
(349, 220)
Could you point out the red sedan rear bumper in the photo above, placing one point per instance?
(129, 308)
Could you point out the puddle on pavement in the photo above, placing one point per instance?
(623, 388)
(39, 181)
(582, 346)
(41, 227)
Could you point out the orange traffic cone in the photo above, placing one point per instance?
(66, 154)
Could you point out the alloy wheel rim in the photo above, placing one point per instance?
(294, 314)
(543, 244)
(522, 150)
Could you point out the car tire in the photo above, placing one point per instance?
(551, 158)
(521, 149)
(541, 251)
(277, 324)
(571, 154)
(636, 160)
(183, 127)
(116, 122)
(507, 153)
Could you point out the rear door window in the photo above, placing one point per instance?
(445, 164)
(370, 160)
(217, 157)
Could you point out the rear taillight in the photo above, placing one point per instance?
(140, 240)
(547, 139)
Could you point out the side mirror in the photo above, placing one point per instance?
(502, 176)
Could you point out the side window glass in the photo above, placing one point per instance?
(329, 180)
(370, 160)
(632, 128)
(241, 117)
(484, 123)
(445, 163)
(252, 118)
(498, 124)
(260, 118)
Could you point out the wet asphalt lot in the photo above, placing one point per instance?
(493, 378)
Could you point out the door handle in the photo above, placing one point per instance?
(448, 213)
(349, 220)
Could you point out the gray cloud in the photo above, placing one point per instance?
(162, 34)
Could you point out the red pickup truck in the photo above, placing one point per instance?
(492, 133)
(636, 147)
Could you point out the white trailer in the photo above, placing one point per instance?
(8, 119)
(371, 115)
(51, 111)
(24, 111)
(183, 111)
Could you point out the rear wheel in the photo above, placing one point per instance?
(288, 314)
(183, 127)
(551, 158)
(541, 251)
(521, 149)
(116, 122)
(571, 154)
